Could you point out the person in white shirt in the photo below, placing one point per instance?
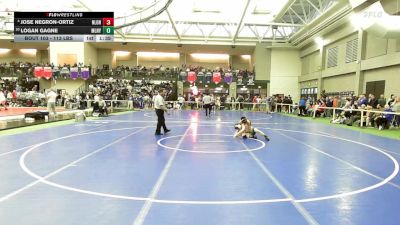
(96, 98)
(181, 100)
(51, 101)
(130, 101)
(3, 100)
(154, 98)
(160, 108)
(103, 107)
(207, 104)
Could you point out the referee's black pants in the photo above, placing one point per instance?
(160, 121)
(207, 108)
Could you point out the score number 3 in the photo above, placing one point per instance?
(108, 21)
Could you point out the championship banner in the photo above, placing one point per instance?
(64, 72)
(208, 77)
(39, 72)
(56, 72)
(228, 78)
(240, 80)
(216, 77)
(74, 73)
(250, 80)
(200, 77)
(182, 76)
(47, 73)
(192, 76)
(85, 73)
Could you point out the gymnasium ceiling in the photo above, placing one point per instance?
(225, 22)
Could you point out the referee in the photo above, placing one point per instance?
(207, 100)
(160, 107)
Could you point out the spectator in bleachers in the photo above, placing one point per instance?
(362, 100)
(391, 100)
(103, 106)
(51, 101)
(382, 101)
(279, 101)
(320, 111)
(3, 101)
(396, 108)
(372, 101)
(329, 103)
(181, 101)
(383, 121)
(302, 107)
(396, 104)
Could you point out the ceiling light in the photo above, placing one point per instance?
(209, 56)
(319, 41)
(29, 51)
(196, 10)
(4, 50)
(158, 54)
(261, 12)
(122, 53)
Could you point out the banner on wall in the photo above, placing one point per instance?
(182, 76)
(74, 73)
(208, 77)
(250, 80)
(240, 80)
(200, 77)
(228, 78)
(216, 77)
(47, 73)
(39, 72)
(64, 72)
(56, 72)
(85, 73)
(192, 76)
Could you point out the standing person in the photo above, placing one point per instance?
(51, 101)
(302, 107)
(160, 108)
(181, 101)
(103, 107)
(207, 103)
(3, 100)
(14, 97)
(279, 103)
(130, 101)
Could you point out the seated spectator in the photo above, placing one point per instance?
(320, 108)
(382, 101)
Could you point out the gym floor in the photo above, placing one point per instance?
(115, 171)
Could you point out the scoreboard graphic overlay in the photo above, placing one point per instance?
(63, 26)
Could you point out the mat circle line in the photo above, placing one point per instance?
(210, 152)
(216, 202)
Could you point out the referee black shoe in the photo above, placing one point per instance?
(157, 133)
(166, 131)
